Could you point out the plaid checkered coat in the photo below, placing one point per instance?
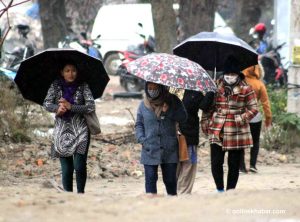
(227, 124)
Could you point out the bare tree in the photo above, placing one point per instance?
(196, 16)
(164, 20)
(53, 20)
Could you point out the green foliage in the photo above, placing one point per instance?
(20, 137)
(278, 100)
(289, 121)
(283, 136)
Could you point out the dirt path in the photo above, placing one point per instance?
(271, 195)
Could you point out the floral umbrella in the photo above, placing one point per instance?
(173, 71)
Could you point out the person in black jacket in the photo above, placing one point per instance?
(186, 170)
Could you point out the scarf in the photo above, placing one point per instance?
(68, 91)
(228, 89)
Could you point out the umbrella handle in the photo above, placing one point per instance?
(215, 73)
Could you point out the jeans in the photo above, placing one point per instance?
(77, 162)
(217, 161)
(68, 164)
(169, 178)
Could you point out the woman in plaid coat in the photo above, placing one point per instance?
(227, 123)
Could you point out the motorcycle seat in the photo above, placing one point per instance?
(135, 56)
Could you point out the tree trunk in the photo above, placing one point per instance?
(82, 16)
(196, 16)
(53, 20)
(164, 21)
(247, 13)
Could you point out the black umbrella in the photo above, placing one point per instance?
(36, 73)
(211, 49)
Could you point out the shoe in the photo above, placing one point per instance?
(253, 169)
(243, 171)
(220, 191)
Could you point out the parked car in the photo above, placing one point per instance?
(117, 25)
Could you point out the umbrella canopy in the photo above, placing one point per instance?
(173, 71)
(36, 73)
(211, 49)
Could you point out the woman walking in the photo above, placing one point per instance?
(186, 171)
(155, 129)
(227, 123)
(253, 78)
(69, 98)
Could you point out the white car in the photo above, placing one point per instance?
(118, 27)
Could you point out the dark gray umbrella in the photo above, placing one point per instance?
(211, 49)
(36, 73)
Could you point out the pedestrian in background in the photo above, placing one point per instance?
(253, 76)
(186, 171)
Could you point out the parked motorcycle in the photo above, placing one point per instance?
(130, 82)
(13, 59)
(84, 45)
(275, 73)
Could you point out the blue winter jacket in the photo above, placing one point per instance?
(158, 136)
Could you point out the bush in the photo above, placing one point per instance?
(13, 114)
(283, 136)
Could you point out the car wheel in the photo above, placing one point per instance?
(132, 86)
(112, 63)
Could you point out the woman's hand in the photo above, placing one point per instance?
(61, 110)
(204, 127)
(65, 103)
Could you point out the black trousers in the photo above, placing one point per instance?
(255, 129)
(217, 161)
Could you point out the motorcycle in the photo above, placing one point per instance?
(130, 82)
(275, 73)
(13, 59)
(84, 45)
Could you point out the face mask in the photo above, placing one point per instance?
(231, 79)
(153, 93)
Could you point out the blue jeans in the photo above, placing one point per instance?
(169, 178)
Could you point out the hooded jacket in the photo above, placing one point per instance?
(253, 76)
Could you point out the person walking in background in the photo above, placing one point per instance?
(155, 129)
(253, 78)
(69, 98)
(186, 170)
(227, 123)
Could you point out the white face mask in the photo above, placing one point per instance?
(231, 79)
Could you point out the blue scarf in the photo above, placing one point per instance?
(68, 91)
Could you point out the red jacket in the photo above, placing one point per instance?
(227, 123)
